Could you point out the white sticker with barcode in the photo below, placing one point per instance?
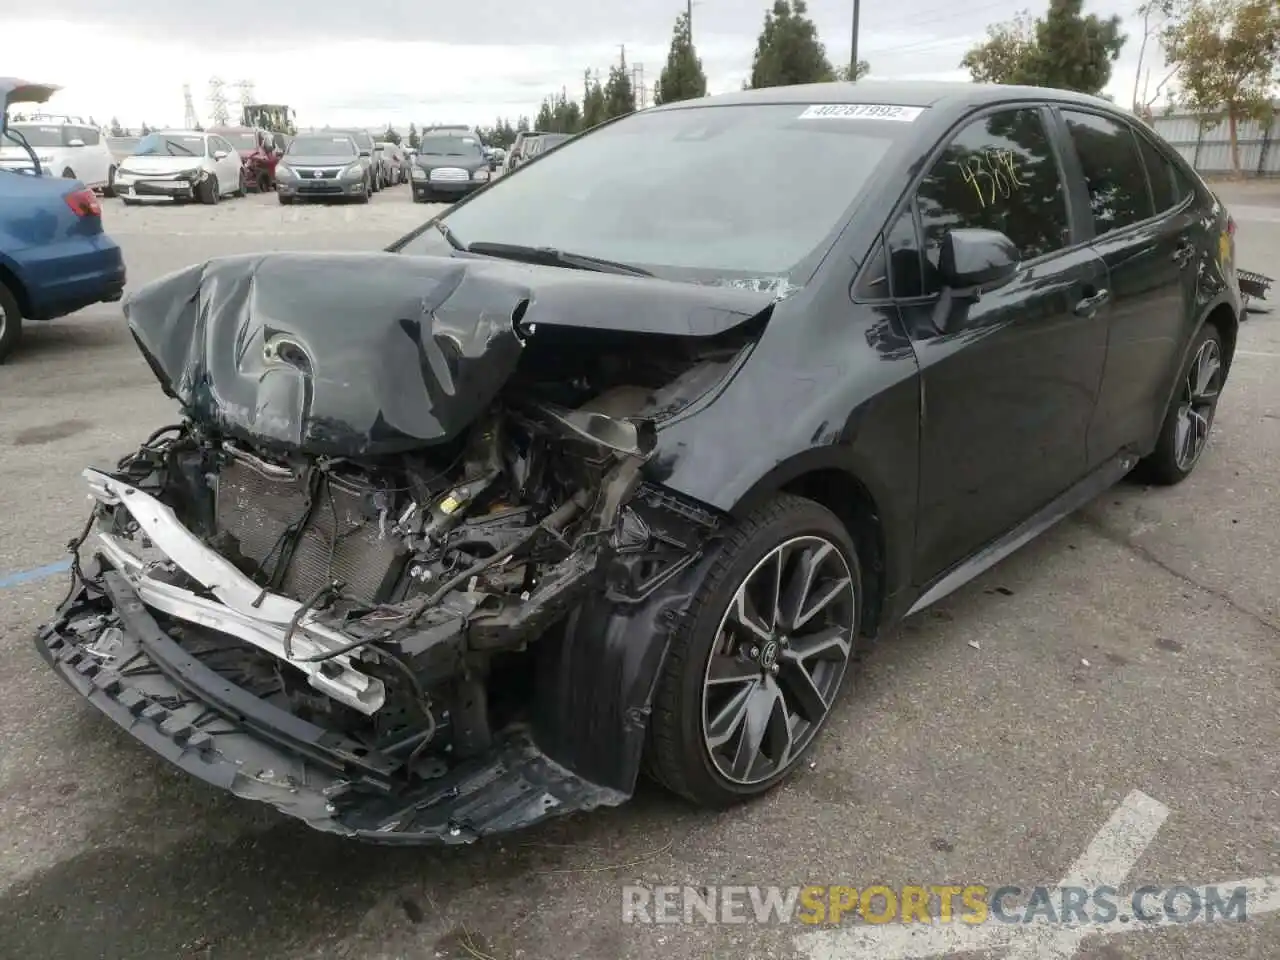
(861, 111)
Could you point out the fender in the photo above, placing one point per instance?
(595, 685)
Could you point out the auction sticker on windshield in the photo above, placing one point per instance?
(860, 111)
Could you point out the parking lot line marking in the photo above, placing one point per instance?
(37, 573)
(1106, 862)
(1257, 353)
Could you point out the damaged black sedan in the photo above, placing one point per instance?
(611, 466)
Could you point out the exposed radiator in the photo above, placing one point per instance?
(339, 542)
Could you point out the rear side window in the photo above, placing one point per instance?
(1166, 185)
(1113, 170)
(999, 173)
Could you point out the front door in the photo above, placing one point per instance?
(1008, 381)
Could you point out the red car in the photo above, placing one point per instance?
(259, 155)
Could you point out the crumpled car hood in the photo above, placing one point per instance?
(365, 354)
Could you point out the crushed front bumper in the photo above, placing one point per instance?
(109, 648)
(107, 644)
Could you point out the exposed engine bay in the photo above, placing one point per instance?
(399, 570)
(414, 583)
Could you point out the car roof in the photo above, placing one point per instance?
(182, 133)
(944, 94)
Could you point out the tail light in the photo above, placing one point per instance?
(83, 203)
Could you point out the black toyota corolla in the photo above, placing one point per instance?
(614, 464)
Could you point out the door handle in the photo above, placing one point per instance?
(1089, 305)
(1183, 254)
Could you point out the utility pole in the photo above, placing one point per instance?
(853, 58)
(689, 14)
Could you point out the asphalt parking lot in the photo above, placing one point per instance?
(1134, 648)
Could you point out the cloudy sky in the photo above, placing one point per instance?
(432, 61)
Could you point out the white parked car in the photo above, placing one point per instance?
(76, 151)
(180, 165)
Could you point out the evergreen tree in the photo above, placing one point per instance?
(1065, 49)
(414, 140)
(789, 50)
(682, 78)
(593, 103)
(546, 116)
(390, 135)
(619, 97)
(116, 129)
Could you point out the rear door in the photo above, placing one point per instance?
(1144, 219)
(1008, 389)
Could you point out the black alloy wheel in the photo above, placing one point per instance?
(761, 656)
(1184, 433)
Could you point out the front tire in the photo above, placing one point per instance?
(283, 200)
(211, 192)
(10, 322)
(756, 665)
(1184, 434)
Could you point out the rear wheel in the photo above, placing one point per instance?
(1185, 431)
(755, 667)
(10, 322)
(111, 183)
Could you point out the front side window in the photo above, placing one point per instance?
(998, 173)
(1113, 171)
(697, 193)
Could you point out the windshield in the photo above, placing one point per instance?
(169, 145)
(321, 146)
(449, 147)
(39, 136)
(242, 141)
(733, 191)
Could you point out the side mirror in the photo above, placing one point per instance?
(219, 154)
(364, 153)
(77, 142)
(973, 260)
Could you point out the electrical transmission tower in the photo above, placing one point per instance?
(189, 118)
(246, 93)
(218, 102)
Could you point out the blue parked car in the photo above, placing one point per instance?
(54, 256)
